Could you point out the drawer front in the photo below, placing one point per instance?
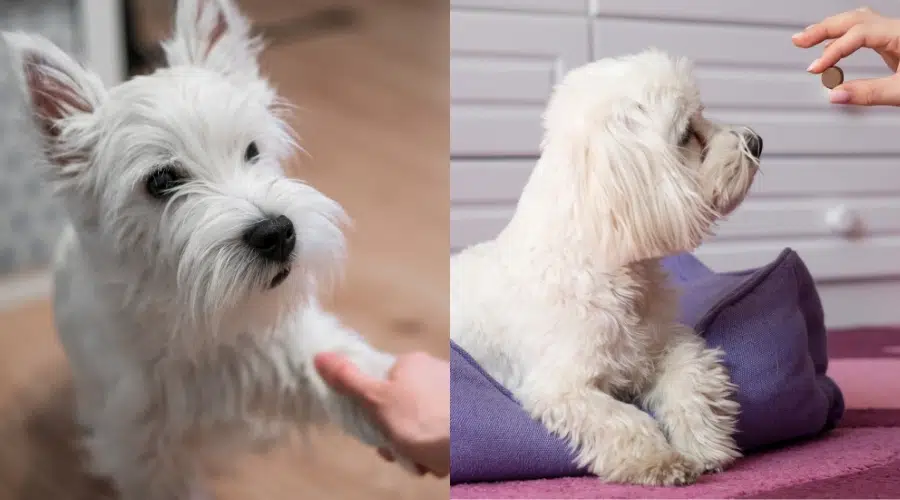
(502, 69)
(568, 6)
(842, 220)
(754, 76)
(483, 195)
(497, 181)
(829, 260)
(717, 45)
(779, 12)
(755, 222)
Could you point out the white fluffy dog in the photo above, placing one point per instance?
(186, 280)
(569, 307)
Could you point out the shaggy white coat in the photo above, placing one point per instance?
(181, 349)
(569, 308)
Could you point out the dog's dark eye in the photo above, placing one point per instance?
(252, 153)
(686, 137)
(163, 181)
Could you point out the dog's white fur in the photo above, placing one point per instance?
(569, 308)
(181, 347)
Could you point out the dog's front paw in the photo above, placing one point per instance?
(640, 454)
(714, 456)
(658, 469)
(707, 437)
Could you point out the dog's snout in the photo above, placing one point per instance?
(754, 144)
(273, 238)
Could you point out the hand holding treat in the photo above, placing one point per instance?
(412, 405)
(848, 32)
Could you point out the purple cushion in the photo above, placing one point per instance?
(769, 322)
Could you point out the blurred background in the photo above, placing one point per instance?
(830, 186)
(371, 81)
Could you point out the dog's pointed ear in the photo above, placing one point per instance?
(213, 34)
(60, 93)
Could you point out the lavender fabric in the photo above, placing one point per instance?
(770, 323)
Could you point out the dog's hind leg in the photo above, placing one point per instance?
(614, 440)
(692, 398)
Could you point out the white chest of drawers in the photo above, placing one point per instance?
(830, 186)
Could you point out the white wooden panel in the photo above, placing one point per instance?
(712, 44)
(828, 259)
(572, 6)
(773, 88)
(491, 82)
(489, 181)
(501, 181)
(739, 66)
(501, 74)
(796, 13)
(561, 39)
(516, 131)
(495, 130)
(809, 133)
(804, 218)
(485, 123)
(782, 220)
(827, 176)
(101, 24)
(858, 304)
(470, 225)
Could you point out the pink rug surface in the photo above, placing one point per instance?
(859, 459)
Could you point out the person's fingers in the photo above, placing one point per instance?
(856, 38)
(868, 92)
(890, 59)
(343, 376)
(831, 27)
(385, 454)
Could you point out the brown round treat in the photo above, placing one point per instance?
(832, 77)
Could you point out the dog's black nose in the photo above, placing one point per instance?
(272, 238)
(754, 144)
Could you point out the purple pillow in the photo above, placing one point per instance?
(769, 322)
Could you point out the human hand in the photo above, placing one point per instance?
(412, 405)
(849, 32)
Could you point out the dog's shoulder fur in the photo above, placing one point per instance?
(612, 322)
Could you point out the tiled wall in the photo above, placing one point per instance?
(29, 219)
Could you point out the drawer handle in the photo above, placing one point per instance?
(843, 221)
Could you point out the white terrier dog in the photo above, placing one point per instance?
(186, 280)
(569, 306)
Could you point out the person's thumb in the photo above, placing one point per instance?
(868, 92)
(343, 376)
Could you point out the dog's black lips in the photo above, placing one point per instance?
(279, 278)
